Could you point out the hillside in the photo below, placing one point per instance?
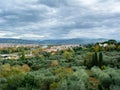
(53, 42)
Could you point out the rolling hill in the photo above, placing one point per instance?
(52, 42)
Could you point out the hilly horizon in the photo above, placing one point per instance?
(52, 41)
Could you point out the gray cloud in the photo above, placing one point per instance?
(55, 19)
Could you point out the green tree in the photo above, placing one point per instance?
(22, 55)
(112, 41)
(96, 59)
(100, 59)
(88, 59)
(63, 85)
(68, 55)
(96, 48)
(118, 48)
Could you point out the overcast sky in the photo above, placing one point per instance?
(59, 19)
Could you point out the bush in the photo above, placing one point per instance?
(114, 87)
(63, 85)
(54, 63)
(78, 80)
(77, 85)
(14, 82)
(105, 79)
(114, 74)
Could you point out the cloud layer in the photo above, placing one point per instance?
(59, 19)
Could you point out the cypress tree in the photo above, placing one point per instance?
(96, 59)
(93, 60)
(100, 59)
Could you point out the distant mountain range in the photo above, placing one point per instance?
(16, 41)
(52, 42)
(72, 41)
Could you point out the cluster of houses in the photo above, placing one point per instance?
(103, 44)
(9, 56)
(14, 56)
(61, 47)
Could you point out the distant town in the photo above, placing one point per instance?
(53, 48)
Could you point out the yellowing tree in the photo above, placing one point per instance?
(7, 70)
(6, 67)
(96, 48)
(118, 47)
(36, 51)
(16, 70)
(111, 47)
(54, 63)
(68, 55)
(25, 68)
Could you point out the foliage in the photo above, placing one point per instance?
(11, 76)
(114, 87)
(100, 59)
(79, 68)
(92, 59)
(54, 63)
(77, 85)
(107, 77)
(88, 59)
(68, 55)
(118, 48)
(22, 55)
(96, 48)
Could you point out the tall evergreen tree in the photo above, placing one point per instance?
(96, 59)
(100, 59)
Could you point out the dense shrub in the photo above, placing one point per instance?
(104, 78)
(78, 80)
(114, 74)
(77, 85)
(114, 87)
